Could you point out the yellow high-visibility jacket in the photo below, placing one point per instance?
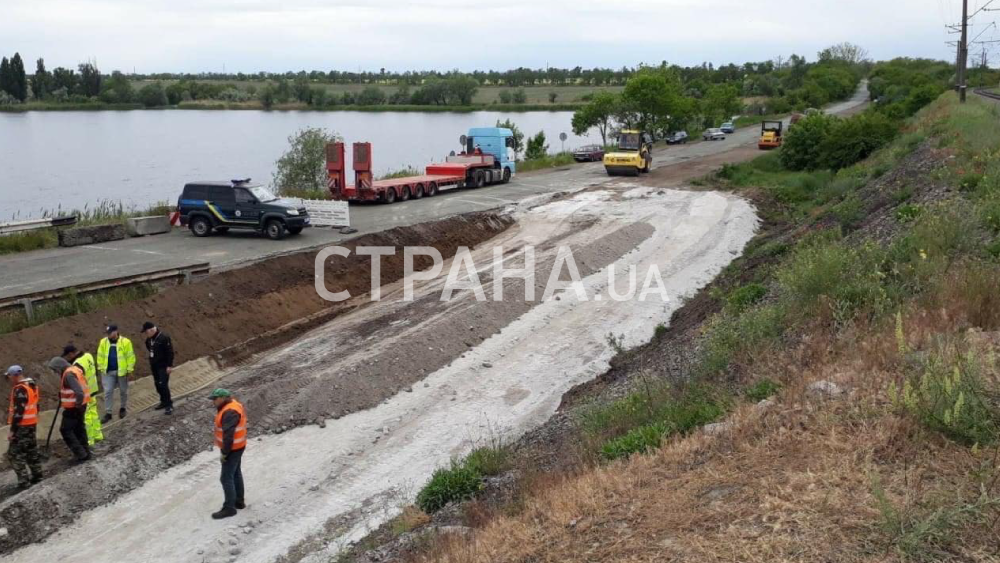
(126, 356)
(86, 361)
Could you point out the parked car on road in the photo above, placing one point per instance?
(588, 153)
(728, 127)
(677, 137)
(205, 207)
(713, 134)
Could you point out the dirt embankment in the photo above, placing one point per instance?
(221, 313)
(233, 311)
(810, 461)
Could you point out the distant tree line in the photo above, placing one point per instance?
(669, 98)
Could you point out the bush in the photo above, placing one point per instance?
(519, 96)
(801, 149)
(729, 336)
(854, 139)
(153, 95)
(849, 213)
(830, 276)
(949, 397)
(536, 147)
(371, 96)
(454, 483)
(489, 460)
(743, 297)
(303, 166)
(505, 97)
(235, 95)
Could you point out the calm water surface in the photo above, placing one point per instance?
(52, 160)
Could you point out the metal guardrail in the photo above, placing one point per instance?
(186, 274)
(33, 224)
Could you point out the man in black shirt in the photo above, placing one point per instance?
(161, 363)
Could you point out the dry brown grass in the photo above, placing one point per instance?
(794, 482)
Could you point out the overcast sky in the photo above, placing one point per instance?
(278, 35)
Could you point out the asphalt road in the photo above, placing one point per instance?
(55, 268)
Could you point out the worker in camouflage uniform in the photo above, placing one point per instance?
(22, 416)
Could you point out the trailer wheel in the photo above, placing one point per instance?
(478, 179)
(506, 175)
(418, 191)
(406, 194)
(432, 189)
(390, 195)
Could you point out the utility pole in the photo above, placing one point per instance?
(963, 51)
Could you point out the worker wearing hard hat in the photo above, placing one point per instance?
(74, 395)
(231, 439)
(91, 418)
(22, 417)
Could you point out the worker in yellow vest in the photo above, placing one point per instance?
(231, 439)
(115, 365)
(22, 417)
(91, 418)
(74, 396)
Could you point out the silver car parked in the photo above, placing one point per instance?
(713, 134)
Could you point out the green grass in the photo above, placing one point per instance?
(463, 479)
(550, 161)
(640, 420)
(31, 240)
(71, 304)
(106, 212)
(761, 390)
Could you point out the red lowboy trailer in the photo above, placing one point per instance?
(463, 170)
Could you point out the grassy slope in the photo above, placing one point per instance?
(901, 467)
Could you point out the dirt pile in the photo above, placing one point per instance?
(228, 309)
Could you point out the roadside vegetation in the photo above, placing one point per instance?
(70, 304)
(847, 373)
(106, 212)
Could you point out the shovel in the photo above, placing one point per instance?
(44, 452)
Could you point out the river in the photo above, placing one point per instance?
(68, 160)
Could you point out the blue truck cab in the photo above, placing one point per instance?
(495, 141)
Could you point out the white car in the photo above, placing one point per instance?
(714, 134)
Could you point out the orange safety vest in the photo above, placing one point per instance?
(240, 435)
(30, 416)
(66, 395)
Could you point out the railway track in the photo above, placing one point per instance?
(987, 94)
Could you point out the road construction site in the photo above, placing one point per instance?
(353, 405)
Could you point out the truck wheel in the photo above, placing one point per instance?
(478, 179)
(275, 229)
(418, 191)
(432, 189)
(406, 194)
(390, 195)
(200, 227)
(506, 175)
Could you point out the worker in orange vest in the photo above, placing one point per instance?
(74, 395)
(231, 439)
(22, 417)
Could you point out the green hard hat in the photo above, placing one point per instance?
(220, 393)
